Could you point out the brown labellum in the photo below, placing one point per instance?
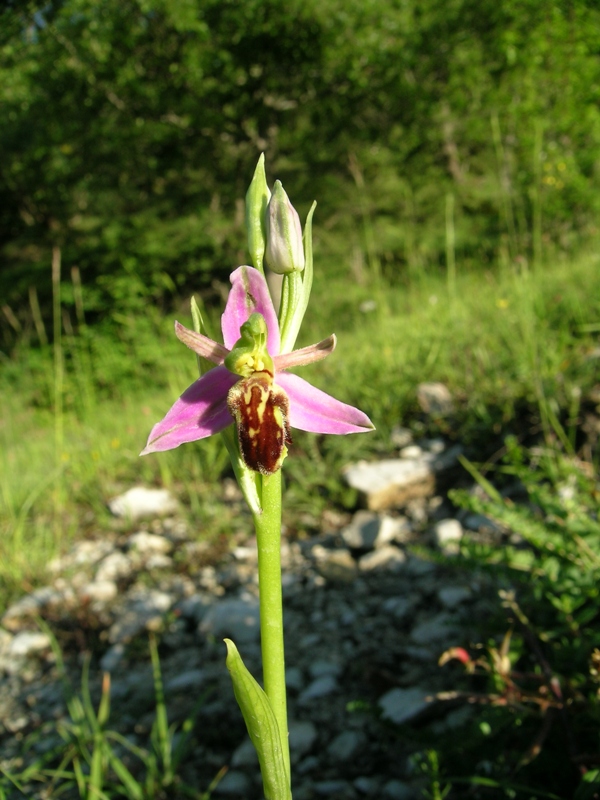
(260, 409)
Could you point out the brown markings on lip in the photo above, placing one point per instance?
(260, 410)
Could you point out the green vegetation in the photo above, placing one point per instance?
(92, 759)
(519, 352)
(453, 149)
(515, 350)
(543, 676)
(129, 130)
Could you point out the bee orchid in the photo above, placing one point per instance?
(250, 385)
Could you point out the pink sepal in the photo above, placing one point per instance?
(318, 412)
(200, 411)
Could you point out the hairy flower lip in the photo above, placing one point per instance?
(202, 409)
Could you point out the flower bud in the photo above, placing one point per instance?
(285, 252)
(257, 198)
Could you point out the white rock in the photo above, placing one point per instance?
(368, 530)
(397, 790)
(23, 608)
(147, 543)
(305, 767)
(235, 618)
(319, 668)
(5, 640)
(362, 532)
(402, 705)
(448, 533)
(82, 553)
(327, 788)
(140, 501)
(114, 566)
(435, 398)
(31, 605)
(303, 735)
(436, 446)
(334, 565)
(452, 596)
(321, 687)
(400, 607)
(419, 567)
(233, 783)
(366, 785)
(186, 681)
(392, 529)
(143, 609)
(100, 591)
(411, 451)
(434, 629)
(401, 437)
(393, 482)
(294, 679)
(196, 606)
(112, 658)
(386, 558)
(28, 643)
(244, 755)
(479, 522)
(159, 561)
(250, 554)
(346, 745)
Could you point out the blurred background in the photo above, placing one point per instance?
(130, 130)
(453, 147)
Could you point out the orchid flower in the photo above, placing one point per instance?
(250, 386)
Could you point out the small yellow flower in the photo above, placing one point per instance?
(502, 302)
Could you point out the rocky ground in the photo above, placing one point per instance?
(366, 622)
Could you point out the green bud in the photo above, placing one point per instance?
(285, 252)
(257, 199)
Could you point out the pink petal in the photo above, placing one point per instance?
(200, 411)
(307, 355)
(315, 411)
(200, 344)
(249, 294)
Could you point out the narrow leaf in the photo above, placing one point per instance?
(199, 325)
(262, 726)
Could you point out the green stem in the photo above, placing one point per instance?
(268, 536)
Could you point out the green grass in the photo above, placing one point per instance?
(86, 764)
(518, 351)
(510, 347)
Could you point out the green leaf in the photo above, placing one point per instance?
(200, 327)
(262, 726)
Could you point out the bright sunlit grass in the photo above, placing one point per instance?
(498, 342)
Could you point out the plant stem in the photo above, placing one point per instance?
(268, 537)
